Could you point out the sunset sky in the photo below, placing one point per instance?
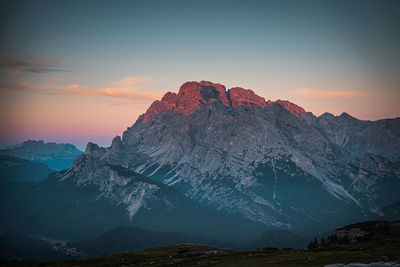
(79, 71)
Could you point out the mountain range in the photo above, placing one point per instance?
(269, 162)
(221, 164)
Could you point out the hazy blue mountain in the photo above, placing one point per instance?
(56, 156)
(79, 205)
(19, 247)
(391, 212)
(15, 170)
(2, 147)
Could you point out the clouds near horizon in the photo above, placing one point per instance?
(58, 109)
(15, 66)
(131, 87)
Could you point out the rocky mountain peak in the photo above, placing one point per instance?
(94, 150)
(293, 108)
(33, 142)
(116, 144)
(347, 116)
(245, 97)
(193, 95)
(221, 90)
(187, 100)
(190, 90)
(327, 115)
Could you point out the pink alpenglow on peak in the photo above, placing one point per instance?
(293, 108)
(193, 95)
(187, 100)
(190, 90)
(220, 88)
(245, 97)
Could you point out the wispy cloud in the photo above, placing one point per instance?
(10, 86)
(328, 94)
(129, 88)
(16, 66)
(132, 81)
(13, 72)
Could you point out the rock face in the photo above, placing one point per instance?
(271, 162)
(141, 201)
(242, 97)
(186, 101)
(193, 95)
(292, 108)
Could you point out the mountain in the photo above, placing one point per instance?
(268, 161)
(391, 212)
(15, 169)
(2, 147)
(19, 248)
(220, 164)
(56, 156)
(89, 199)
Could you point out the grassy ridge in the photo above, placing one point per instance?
(371, 250)
(198, 255)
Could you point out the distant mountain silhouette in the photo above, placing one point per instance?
(391, 212)
(56, 156)
(16, 170)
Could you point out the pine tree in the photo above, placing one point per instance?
(332, 240)
(316, 242)
(323, 242)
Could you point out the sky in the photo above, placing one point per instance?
(80, 71)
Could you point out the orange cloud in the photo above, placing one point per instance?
(7, 86)
(129, 87)
(13, 72)
(132, 81)
(328, 94)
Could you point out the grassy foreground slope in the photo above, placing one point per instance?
(199, 255)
